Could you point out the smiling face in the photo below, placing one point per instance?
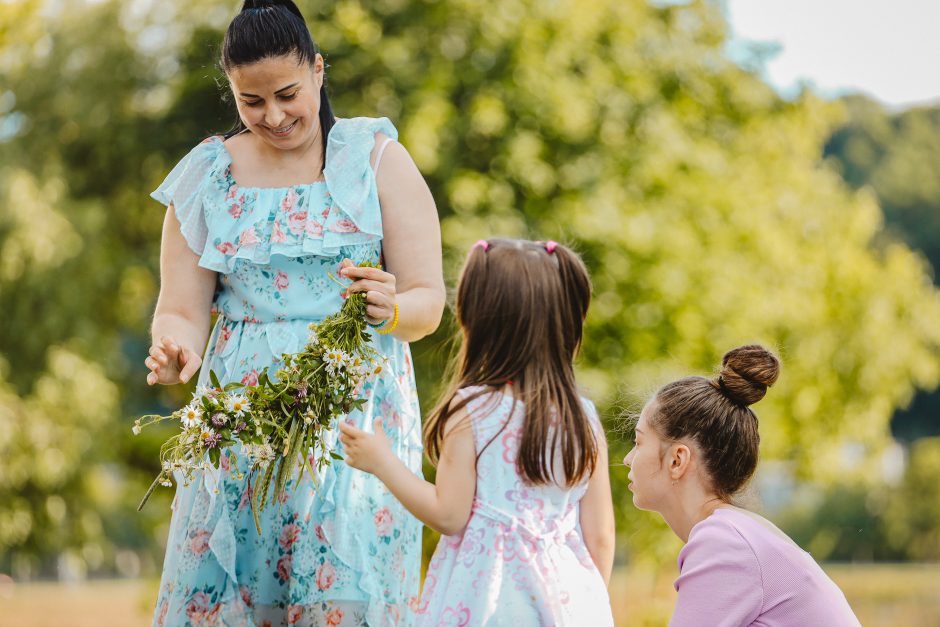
(650, 479)
(278, 99)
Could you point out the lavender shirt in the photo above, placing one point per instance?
(738, 570)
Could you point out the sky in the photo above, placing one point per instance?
(888, 49)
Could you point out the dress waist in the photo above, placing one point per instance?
(556, 529)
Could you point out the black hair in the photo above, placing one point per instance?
(272, 28)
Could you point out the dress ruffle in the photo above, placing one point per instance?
(223, 222)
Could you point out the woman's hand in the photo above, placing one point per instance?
(171, 363)
(378, 286)
(368, 452)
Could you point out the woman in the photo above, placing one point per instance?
(696, 446)
(256, 222)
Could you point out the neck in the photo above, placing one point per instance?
(310, 149)
(690, 506)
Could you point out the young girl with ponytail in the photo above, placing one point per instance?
(522, 494)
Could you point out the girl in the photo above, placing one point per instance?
(256, 221)
(696, 446)
(522, 495)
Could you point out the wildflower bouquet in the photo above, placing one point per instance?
(276, 421)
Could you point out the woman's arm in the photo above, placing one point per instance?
(597, 514)
(181, 320)
(445, 505)
(412, 249)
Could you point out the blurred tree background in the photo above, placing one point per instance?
(710, 211)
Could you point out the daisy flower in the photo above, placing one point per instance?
(237, 405)
(191, 415)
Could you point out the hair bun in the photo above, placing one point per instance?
(747, 372)
(260, 4)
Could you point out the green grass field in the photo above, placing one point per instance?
(882, 595)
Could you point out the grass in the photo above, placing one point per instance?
(880, 594)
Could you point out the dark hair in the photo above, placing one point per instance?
(521, 308)
(714, 413)
(272, 28)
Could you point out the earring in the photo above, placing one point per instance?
(675, 483)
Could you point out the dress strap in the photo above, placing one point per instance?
(378, 157)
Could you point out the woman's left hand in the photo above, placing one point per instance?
(366, 451)
(378, 286)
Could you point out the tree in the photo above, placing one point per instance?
(896, 156)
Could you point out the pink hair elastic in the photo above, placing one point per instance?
(550, 246)
(482, 243)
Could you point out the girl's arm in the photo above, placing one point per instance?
(183, 313)
(411, 245)
(445, 505)
(597, 514)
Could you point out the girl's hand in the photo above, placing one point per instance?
(171, 363)
(366, 451)
(379, 288)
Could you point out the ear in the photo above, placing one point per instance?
(318, 69)
(679, 459)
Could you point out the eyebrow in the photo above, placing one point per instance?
(289, 87)
(638, 430)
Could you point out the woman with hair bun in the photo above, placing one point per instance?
(696, 446)
(257, 221)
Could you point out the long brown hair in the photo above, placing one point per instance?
(716, 414)
(521, 308)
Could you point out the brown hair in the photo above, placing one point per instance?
(521, 308)
(714, 413)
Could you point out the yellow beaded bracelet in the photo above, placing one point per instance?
(385, 330)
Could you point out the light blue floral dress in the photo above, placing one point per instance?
(521, 560)
(344, 552)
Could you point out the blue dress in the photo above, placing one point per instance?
(344, 551)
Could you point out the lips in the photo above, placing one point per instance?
(284, 130)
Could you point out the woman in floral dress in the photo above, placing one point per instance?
(256, 222)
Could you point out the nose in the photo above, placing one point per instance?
(629, 458)
(273, 116)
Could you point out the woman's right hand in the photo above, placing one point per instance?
(171, 363)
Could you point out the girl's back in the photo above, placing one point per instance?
(521, 560)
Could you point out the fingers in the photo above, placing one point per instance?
(369, 285)
(348, 432)
(158, 356)
(361, 272)
(170, 347)
(375, 313)
(190, 363)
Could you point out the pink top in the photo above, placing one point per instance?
(738, 570)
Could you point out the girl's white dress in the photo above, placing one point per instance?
(521, 560)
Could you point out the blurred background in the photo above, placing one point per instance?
(717, 196)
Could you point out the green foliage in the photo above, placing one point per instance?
(912, 520)
(695, 194)
(897, 156)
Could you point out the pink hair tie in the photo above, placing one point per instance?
(482, 243)
(550, 246)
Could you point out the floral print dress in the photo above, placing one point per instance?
(341, 552)
(521, 559)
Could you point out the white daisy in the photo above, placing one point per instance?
(192, 415)
(237, 405)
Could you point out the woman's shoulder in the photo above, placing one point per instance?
(723, 538)
(362, 126)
